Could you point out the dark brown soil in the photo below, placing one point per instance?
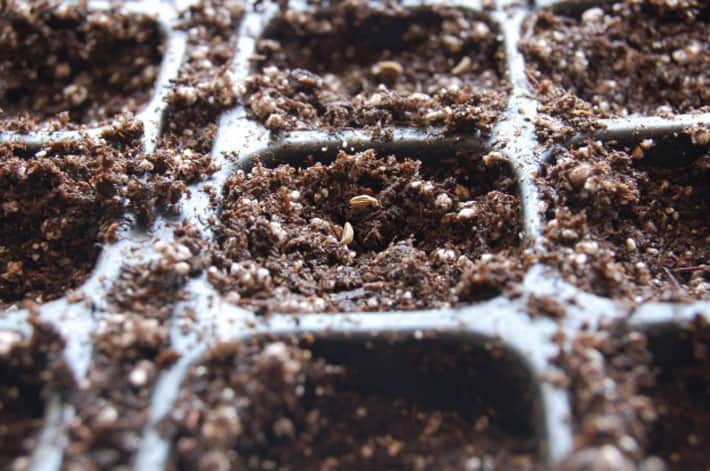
(29, 368)
(682, 431)
(355, 65)
(422, 235)
(71, 65)
(633, 57)
(60, 202)
(620, 224)
(362, 232)
(334, 406)
(57, 205)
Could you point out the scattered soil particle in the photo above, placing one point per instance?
(682, 431)
(69, 65)
(621, 225)
(331, 406)
(29, 369)
(562, 116)
(359, 65)
(112, 405)
(631, 57)
(368, 232)
(546, 305)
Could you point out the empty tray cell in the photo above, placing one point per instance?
(56, 205)
(682, 430)
(630, 223)
(357, 404)
(74, 64)
(355, 65)
(622, 58)
(28, 368)
(112, 407)
(368, 232)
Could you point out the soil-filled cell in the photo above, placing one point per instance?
(74, 65)
(366, 66)
(367, 232)
(424, 404)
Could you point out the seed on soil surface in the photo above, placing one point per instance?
(388, 68)
(363, 201)
(463, 66)
(348, 234)
(315, 260)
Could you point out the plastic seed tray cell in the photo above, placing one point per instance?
(679, 354)
(433, 238)
(69, 67)
(418, 402)
(622, 59)
(436, 63)
(67, 62)
(59, 206)
(368, 232)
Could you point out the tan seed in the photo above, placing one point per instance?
(462, 67)
(363, 201)
(391, 68)
(348, 234)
